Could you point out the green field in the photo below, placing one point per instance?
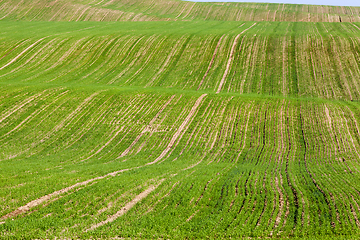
(185, 122)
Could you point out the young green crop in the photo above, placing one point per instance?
(199, 129)
(175, 10)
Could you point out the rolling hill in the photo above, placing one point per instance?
(171, 119)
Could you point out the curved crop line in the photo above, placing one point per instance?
(37, 202)
(147, 128)
(211, 62)
(18, 56)
(189, 11)
(130, 65)
(146, 63)
(222, 81)
(8, 52)
(18, 107)
(35, 55)
(31, 116)
(183, 126)
(181, 11)
(73, 113)
(12, 10)
(167, 61)
(127, 207)
(106, 144)
(90, 124)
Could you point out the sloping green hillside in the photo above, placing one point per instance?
(165, 10)
(285, 59)
(178, 129)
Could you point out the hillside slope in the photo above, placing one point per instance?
(285, 59)
(165, 10)
(210, 163)
(175, 127)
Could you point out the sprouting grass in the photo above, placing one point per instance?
(145, 55)
(164, 10)
(228, 168)
(96, 116)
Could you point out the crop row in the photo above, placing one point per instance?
(90, 163)
(109, 10)
(319, 60)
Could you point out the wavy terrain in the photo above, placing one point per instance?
(176, 127)
(170, 10)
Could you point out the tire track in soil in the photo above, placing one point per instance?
(281, 203)
(37, 202)
(222, 81)
(126, 208)
(178, 134)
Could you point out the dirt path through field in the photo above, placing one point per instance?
(183, 126)
(126, 208)
(222, 81)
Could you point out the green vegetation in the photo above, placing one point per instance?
(178, 129)
(165, 10)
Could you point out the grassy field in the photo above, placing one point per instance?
(174, 10)
(178, 129)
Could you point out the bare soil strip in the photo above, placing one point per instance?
(45, 198)
(12, 10)
(355, 26)
(231, 58)
(18, 56)
(180, 129)
(189, 11)
(181, 11)
(192, 215)
(126, 208)
(8, 52)
(328, 116)
(147, 128)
